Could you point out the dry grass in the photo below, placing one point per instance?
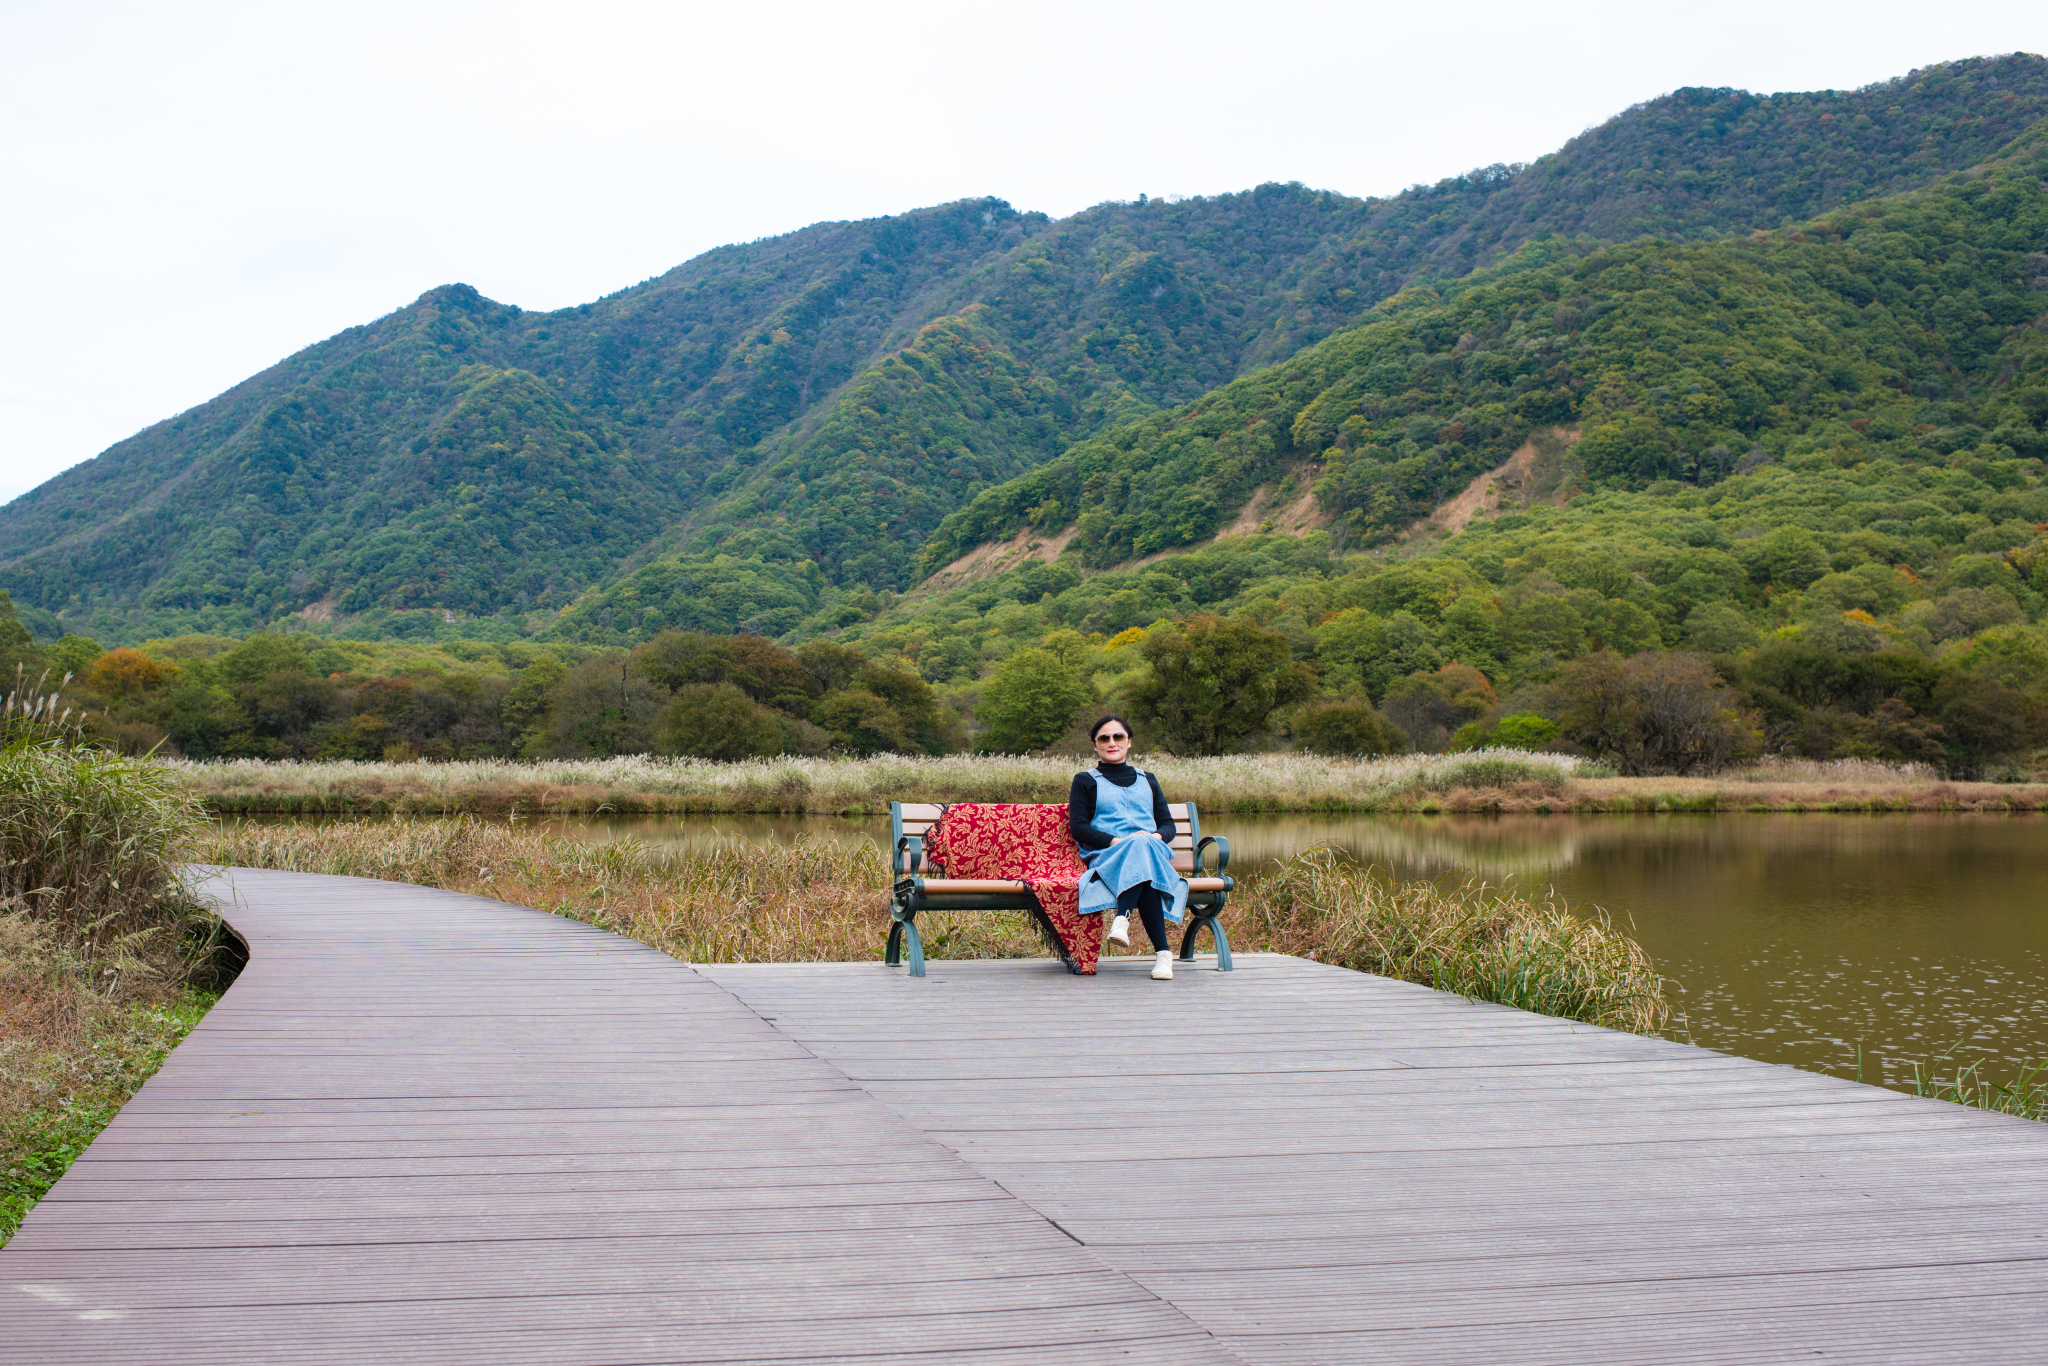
(1761, 790)
(646, 785)
(822, 900)
(85, 837)
(1482, 780)
(75, 1043)
(99, 941)
(1777, 768)
(1475, 940)
(812, 900)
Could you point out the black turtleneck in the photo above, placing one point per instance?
(1081, 806)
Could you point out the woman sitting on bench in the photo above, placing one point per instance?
(1119, 818)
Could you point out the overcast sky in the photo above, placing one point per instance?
(194, 191)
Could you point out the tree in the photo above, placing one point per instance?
(1984, 720)
(1374, 651)
(525, 708)
(1970, 610)
(1651, 713)
(830, 665)
(771, 675)
(862, 723)
(717, 721)
(1430, 707)
(600, 707)
(1350, 727)
(677, 659)
(1791, 555)
(74, 654)
(1896, 733)
(1215, 683)
(1028, 703)
(126, 675)
(261, 655)
(917, 707)
(21, 663)
(285, 706)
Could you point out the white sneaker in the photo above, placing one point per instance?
(1120, 931)
(1162, 966)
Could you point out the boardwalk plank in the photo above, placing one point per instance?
(622, 1163)
(431, 1128)
(1514, 1190)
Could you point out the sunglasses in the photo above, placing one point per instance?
(1113, 738)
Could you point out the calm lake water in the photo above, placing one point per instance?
(1793, 938)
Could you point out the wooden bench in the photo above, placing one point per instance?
(910, 821)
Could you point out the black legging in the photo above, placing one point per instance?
(1150, 904)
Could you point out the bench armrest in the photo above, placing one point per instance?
(1222, 853)
(909, 850)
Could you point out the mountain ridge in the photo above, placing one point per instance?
(810, 408)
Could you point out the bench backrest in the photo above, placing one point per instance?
(917, 818)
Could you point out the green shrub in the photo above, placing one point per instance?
(1522, 730)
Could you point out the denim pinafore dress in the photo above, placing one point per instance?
(1111, 871)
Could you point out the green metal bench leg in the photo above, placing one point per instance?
(909, 928)
(1222, 944)
(893, 954)
(1187, 942)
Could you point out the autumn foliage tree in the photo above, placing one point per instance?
(128, 674)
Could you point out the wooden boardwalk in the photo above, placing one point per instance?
(425, 1127)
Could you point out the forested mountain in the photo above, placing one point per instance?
(768, 434)
(1846, 416)
(1904, 316)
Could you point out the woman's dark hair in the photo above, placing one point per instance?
(1096, 729)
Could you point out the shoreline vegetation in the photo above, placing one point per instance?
(1476, 781)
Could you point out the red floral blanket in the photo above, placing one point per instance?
(985, 840)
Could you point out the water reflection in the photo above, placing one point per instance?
(1794, 938)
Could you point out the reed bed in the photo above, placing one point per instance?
(1853, 789)
(1491, 780)
(642, 784)
(85, 840)
(1479, 941)
(823, 900)
(1778, 768)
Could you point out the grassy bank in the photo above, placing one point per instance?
(106, 960)
(69, 1059)
(2026, 1095)
(823, 900)
(1482, 780)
